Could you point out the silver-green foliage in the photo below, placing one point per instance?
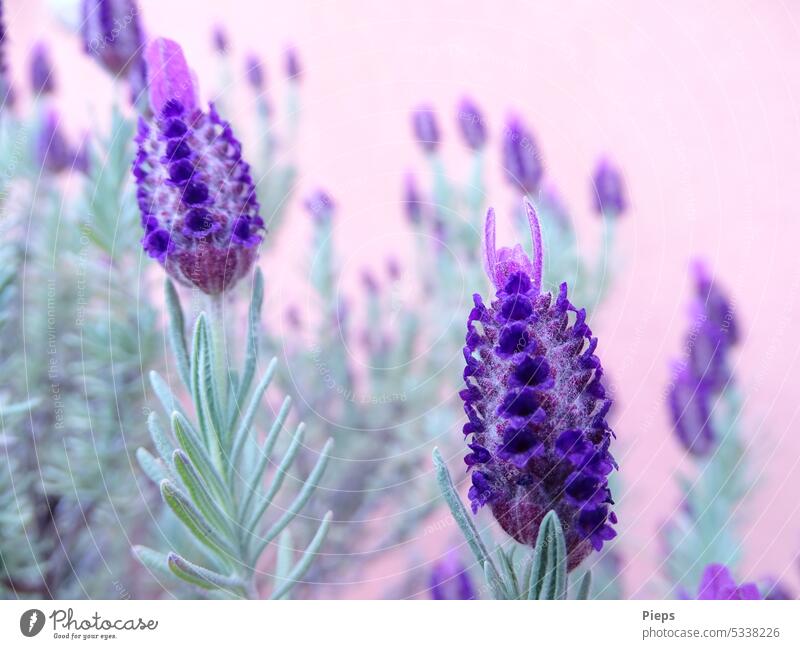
(211, 468)
(705, 527)
(540, 574)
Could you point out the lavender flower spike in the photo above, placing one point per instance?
(292, 63)
(608, 189)
(43, 80)
(254, 71)
(536, 405)
(472, 125)
(53, 152)
(718, 583)
(195, 193)
(450, 579)
(426, 130)
(521, 159)
(703, 375)
(112, 34)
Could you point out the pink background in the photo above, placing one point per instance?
(698, 102)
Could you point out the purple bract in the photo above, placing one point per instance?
(536, 405)
(426, 129)
(450, 579)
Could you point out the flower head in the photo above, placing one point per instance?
(292, 63)
(536, 405)
(6, 92)
(195, 193)
(608, 189)
(254, 70)
(450, 579)
(112, 34)
(426, 129)
(718, 583)
(320, 206)
(522, 163)
(54, 154)
(43, 80)
(703, 375)
(471, 123)
(219, 39)
(412, 201)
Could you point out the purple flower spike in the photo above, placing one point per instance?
(521, 159)
(320, 206)
(608, 189)
(254, 70)
(702, 376)
(536, 405)
(293, 70)
(412, 201)
(219, 38)
(43, 80)
(6, 92)
(718, 583)
(53, 152)
(426, 130)
(112, 34)
(450, 579)
(471, 123)
(195, 193)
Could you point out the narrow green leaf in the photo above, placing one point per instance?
(189, 515)
(209, 397)
(302, 566)
(253, 325)
(283, 559)
(585, 586)
(301, 499)
(548, 578)
(164, 394)
(155, 562)
(161, 443)
(459, 512)
(195, 368)
(151, 466)
(277, 480)
(252, 408)
(191, 444)
(176, 332)
(201, 496)
(507, 573)
(203, 577)
(494, 582)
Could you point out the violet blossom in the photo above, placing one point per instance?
(195, 192)
(718, 583)
(522, 163)
(426, 129)
(471, 124)
(450, 579)
(536, 405)
(112, 34)
(608, 189)
(43, 80)
(704, 373)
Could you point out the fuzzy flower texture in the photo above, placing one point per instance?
(536, 405)
(197, 199)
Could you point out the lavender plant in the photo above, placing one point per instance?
(201, 222)
(536, 410)
(705, 408)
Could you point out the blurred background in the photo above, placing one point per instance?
(697, 103)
